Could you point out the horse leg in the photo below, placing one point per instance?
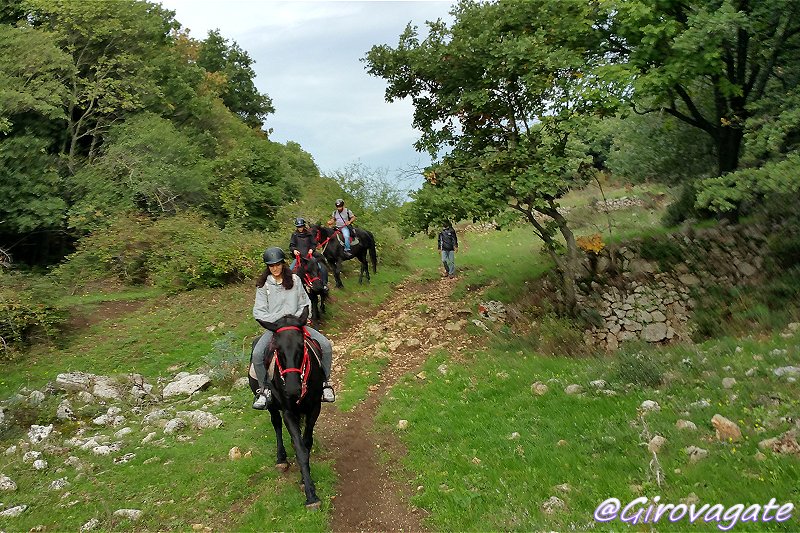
(308, 432)
(280, 463)
(337, 273)
(303, 455)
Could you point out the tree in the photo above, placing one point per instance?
(238, 90)
(110, 44)
(500, 99)
(370, 188)
(730, 53)
(32, 71)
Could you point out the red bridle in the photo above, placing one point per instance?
(306, 276)
(305, 366)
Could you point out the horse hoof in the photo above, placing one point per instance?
(282, 467)
(313, 506)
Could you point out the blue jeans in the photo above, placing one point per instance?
(346, 237)
(449, 261)
(260, 352)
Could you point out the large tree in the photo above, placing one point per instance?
(682, 54)
(501, 98)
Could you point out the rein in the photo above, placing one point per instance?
(305, 366)
(306, 276)
(323, 243)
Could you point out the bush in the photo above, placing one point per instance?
(558, 336)
(227, 359)
(176, 253)
(23, 320)
(665, 251)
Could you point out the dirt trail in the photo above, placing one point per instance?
(411, 325)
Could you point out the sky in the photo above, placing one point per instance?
(307, 60)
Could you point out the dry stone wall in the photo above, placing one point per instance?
(645, 289)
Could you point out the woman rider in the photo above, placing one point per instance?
(301, 243)
(280, 293)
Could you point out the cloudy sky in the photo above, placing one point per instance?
(307, 59)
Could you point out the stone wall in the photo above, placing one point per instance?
(644, 289)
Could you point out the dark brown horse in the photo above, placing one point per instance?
(295, 377)
(309, 270)
(333, 250)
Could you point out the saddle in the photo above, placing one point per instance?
(353, 239)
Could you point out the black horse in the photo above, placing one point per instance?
(309, 270)
(295, 377)
(333, 250)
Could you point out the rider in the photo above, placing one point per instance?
(280, 293)
(342, 218)
(301, 243)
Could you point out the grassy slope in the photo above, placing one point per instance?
(473, 475)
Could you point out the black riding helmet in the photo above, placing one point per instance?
(274, 255)
(339, 202)
(299, 222)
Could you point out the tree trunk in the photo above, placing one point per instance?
(729, 144)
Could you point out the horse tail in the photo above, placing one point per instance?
(373, 253)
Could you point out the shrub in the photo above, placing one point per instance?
(558, 336)
(665, 251)
(227, 359)
(23, 320)
(176, 253)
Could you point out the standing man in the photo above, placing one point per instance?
(448, 246)
(342, 218)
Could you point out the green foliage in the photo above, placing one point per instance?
(658, 147)
(642, 368)
(31, 68)
(750, 185)
(685, 206)
(25, 317)
(29, 186)
(662, 249)
(176, 253)
(227, 359)
(238, 90)
(147, 164)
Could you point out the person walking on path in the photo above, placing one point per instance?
(448, 246)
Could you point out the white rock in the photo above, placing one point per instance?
(402, 424)
(14, 511)
(7, 484)
(686, 424)
(123, 432)
(787, 371)
(73, 461)
(553, 505)
(174, 426)
(90, 525)
(573, 389)
(696, 454)
(656, 443)
(31, 456)
(187, 385)
(37, 434)
(200, 419)
(36, 398)
(442, 369)
(153, 416)
(59, 484)
(650, 405)
(728, 383)
(124, 459)
(598, 384)
(75, 381)
(150, 436)
(40, 464)
(64, 411)
(539, 388)
(106, 388)
(130, 514)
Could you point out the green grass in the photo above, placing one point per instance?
(361, 373)
(476, 475)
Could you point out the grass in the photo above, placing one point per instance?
(486, 451)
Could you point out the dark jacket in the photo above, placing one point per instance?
(448, 240)
(302, 242)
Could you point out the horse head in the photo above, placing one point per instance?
(292, 360)
(308, 270)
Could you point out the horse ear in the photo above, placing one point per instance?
(272, 326)
(304, 315)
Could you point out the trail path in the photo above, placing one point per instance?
(411, 325)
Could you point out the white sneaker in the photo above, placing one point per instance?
(262, 399)
(327, 393)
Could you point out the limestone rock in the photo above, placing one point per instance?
(655, 332)
(186, 385)
(650, 405)
(686, 424)
(539, 388)
(726, 429)
(14, 512)
(728, 383)
(7, 484)
(200, 419)
(656, 443)
(75, 381)
(573, 389)
(130, 514)
(37, 434)
(553, 505)
(696, 454)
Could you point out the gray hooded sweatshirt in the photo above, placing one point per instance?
(273, 301)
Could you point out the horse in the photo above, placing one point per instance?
(295, 377)
(333, 250)
(309, 270)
